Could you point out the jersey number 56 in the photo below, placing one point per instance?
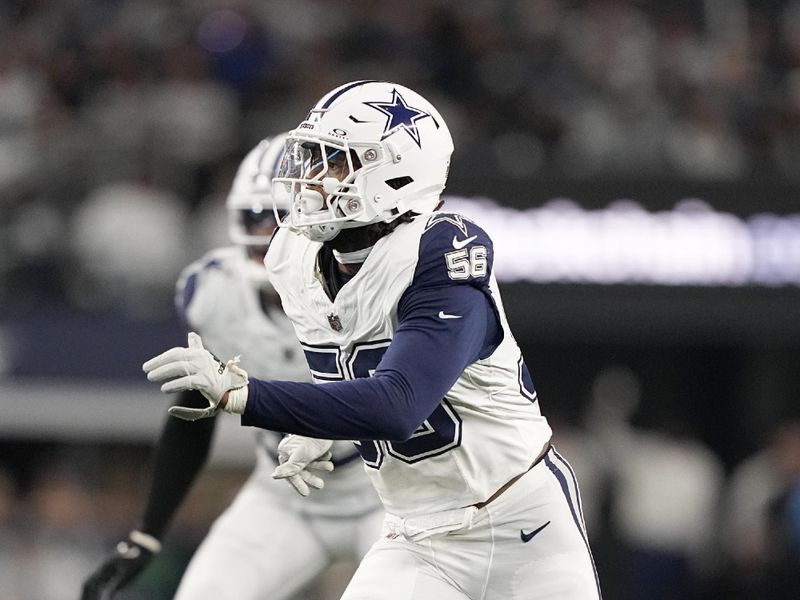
(439, 433)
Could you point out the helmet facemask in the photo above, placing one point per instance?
(322, 175)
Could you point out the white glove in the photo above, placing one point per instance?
(195, 368)
(299, 455)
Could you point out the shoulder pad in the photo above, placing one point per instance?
(193, 280)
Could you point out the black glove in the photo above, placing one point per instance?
(129, 559)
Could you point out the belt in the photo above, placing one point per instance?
(514, 479)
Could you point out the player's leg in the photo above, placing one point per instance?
(367, 531)
(346, 540)
(395, 569)
(539, 546)
(527, 544)
(348, 537)
(256, 549)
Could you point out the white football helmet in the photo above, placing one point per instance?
(368, 152)
(253, 212)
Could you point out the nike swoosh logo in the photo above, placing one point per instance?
(444, 315)
(527, 537)
(459, 244)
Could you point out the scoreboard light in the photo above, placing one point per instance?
(690, 245)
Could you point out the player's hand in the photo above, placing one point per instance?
(129, 559)
(195, 368)
(299, 457)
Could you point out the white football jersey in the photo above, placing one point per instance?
(218, 300)
(486, 430)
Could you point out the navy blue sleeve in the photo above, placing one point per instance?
(423, 361)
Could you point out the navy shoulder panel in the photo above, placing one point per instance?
(453, 250)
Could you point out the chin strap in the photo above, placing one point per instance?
(352, 258)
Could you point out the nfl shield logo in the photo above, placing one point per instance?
(334, 322)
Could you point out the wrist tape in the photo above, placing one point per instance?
(237, 400)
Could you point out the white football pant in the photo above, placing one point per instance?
(491, 559)
(260, 549)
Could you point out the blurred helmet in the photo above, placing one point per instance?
(250, 203)
(253, 212)
(368, 152)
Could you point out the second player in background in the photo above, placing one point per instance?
(271, 542)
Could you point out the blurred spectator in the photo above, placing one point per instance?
(761, 533)
(8, 510)
(702, 145)
(36, 246)
(194, 122)
(23, 90)
(666, 492)
(116, 112)
(45, 542)
(131, 242)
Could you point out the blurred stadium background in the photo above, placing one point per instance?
(637, 162)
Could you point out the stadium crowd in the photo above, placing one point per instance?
(152, 103)
(147, 101)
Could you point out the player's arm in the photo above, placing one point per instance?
(426, 356)
(180, 454)
(423, 361)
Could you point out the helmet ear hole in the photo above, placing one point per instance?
(399, 182)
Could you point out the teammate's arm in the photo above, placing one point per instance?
(180, 454)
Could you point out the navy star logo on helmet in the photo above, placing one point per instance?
(400, 116)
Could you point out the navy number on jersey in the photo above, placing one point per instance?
(439, 433)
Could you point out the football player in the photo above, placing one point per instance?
(267, 544)
(398, 311)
